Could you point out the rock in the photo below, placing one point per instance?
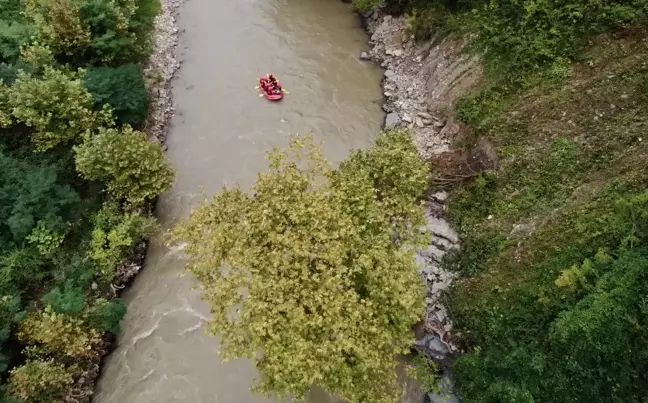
(419, 122)
(441, 315)
(387, 18)
(433, 347)
(389, 74)
(425, 115)
(624, 96)
(364, 55)
(439, 124)
(392, 120)
(398, 52)
(441, 228)
(407, 118)
(443, 243)
(434, 253)
(440, 196)
(387, 94)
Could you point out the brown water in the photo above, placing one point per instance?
(219, 136)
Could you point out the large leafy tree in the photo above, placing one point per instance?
(316, 270)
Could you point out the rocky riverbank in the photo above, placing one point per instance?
(159, 71)
(422, 83)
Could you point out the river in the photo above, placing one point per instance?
(219, 136)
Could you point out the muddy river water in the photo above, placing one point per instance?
(219, 136)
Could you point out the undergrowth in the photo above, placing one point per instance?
(554, 253)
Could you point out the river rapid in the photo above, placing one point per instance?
(219, 135)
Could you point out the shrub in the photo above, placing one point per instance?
(115, 236)
(59, 334)
(134, 167)
(40, 381)
(329, 297)
(57, 106)
(123, 89)
(106, 316)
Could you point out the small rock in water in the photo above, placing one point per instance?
(365, 56)
(392, 120)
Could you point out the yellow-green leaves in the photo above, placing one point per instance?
(115, 236)
(57, 333)
(306, 271)
(59, 24)
(133, 167)
(57, 106)
(40, 381)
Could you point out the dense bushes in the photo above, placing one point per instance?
(63, 118)
(330, 297)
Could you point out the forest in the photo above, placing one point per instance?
(77, 179)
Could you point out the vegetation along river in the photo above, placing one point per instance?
(219, 136)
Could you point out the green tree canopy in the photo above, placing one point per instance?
(134, 167)
(308, 271)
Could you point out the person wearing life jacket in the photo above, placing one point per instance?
(273, 81)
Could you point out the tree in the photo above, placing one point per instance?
(40, 381)
(57, 106)
(115, 236)
(59, 25)
(134, 167)
(320, 284)
(123, 89)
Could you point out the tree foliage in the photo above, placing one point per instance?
(95, 31)
(58, 334)
(57, 106)
(31, 195)
(133, 167)
(59, 25)
(307, 270)
(123, 89)
(115, 236)
(40, 381)
(59, 249)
